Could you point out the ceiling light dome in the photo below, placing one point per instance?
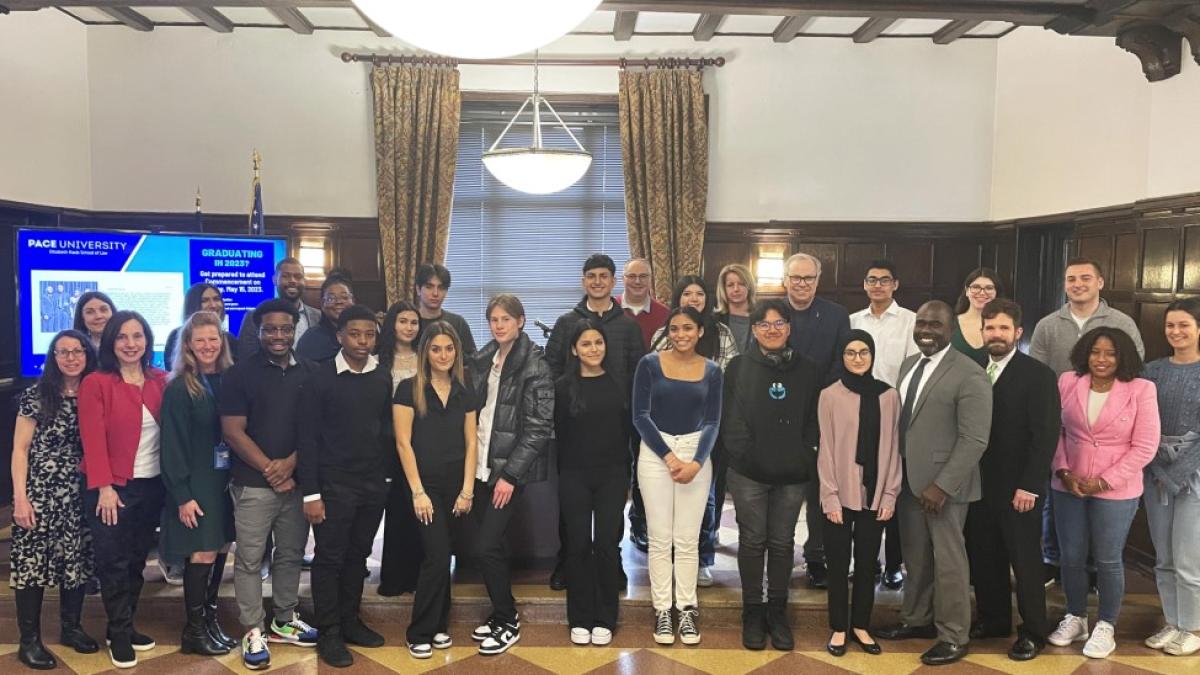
(478, 29)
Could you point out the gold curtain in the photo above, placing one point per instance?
(417, 109)
(664, 145)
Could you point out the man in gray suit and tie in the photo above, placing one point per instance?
(945, 420)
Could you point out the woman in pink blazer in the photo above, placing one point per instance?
(1110, 433)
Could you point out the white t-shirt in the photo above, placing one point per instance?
(146, 461)
(486, 416)
(1080, 321)
(1095, 405)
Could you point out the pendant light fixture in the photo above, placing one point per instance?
(478, 29)
(537, 169)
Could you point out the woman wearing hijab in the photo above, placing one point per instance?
(859, 468)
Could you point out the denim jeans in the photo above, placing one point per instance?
(766, 518)
(1173, 520)
(1098, 526)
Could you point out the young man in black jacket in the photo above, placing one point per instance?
(342, 470)
(769, 425)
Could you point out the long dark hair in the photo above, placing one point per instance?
(573, 374)
(49, 385)
(194, 298)
(108, 342)
(711, 340)
(964, 303)
(84, 299)
(387, 333)
(1129, 362)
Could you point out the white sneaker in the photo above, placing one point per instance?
(1071, 629)
(1101, 644)
(581, 636)
(423, 650)
(442, 641)
(704, 577)
(1163, 637)
(601, 635)
(1185, 644)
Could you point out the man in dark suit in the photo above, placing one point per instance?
(1026, 418)
(945, 419)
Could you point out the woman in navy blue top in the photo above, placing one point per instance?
(677, 411)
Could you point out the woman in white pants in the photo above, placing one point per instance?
(677, 410)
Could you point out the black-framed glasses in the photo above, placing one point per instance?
(777, 324)
(278, 330)
(802, 280)
(879, 281)
(70, 353)
(863, 354)
(976, 289)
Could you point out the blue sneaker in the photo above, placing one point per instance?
(255, 654)
(294, 632)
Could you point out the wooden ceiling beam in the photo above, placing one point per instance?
(292, 18)
(873, 28)
(790, 27)
(707, 26)
(623, 26)
(211, 18)
(954, 30)
(129, 17)
(1030, 12)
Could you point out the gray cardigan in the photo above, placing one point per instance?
(1056, 334)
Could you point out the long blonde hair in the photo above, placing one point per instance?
(747, 279)
(424, 375)
(185, 365)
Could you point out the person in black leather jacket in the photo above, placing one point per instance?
(512, 379)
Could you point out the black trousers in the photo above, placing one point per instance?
(344, 540)
(637, 507)
(121, 549)
(999, 537)
(402, 551)
(593, 560)
(892, 553)
(863, 531)
(492, 551)
(431, 604)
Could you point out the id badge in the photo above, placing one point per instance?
(221, 456)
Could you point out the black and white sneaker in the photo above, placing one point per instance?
(442, 641)
(506, 635)
(421, 651)
(664, 631)
(689, 627)
(121, 652)
(485, 630)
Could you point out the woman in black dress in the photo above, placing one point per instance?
(51, 543)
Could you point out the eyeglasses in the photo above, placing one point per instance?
(277, 330)
(69, 353)
(976, 289)
(335, 299)
(863, 354)
(777, 324)
(802, 281)
(879, 281)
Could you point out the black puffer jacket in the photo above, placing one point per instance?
(624, 344)
(521, 430)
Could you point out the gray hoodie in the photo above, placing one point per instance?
(1056, 334)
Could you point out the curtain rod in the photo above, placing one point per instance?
(658, 62)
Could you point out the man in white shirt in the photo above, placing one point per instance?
(891, 326)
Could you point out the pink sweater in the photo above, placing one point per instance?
(1121, 443)
(842, 477)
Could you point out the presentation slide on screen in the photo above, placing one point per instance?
(146, 273)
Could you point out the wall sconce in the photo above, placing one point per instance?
(768, 266)
(312, 258)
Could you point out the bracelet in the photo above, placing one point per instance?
(463, 495)
(419, 493)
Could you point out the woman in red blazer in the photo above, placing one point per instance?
(118, 423)
(1110, 433)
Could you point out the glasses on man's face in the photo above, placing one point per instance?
(278, 330)
(879, 281)
(777, 324)
(802, 280)
(862, 354)
(69, 353)
(339, 299)
(977, 289)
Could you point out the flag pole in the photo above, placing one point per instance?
(256, 224)
(199, 214)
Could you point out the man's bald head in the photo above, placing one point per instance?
(933, 327)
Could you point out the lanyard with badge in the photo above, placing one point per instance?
(221, 451)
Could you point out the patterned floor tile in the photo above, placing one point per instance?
(1045, 664)
(795, 662)
(571, 660)
(645, 662)
(720, 661)
(398, 660)
(90, 664)
(1161, 663)
(888, 663)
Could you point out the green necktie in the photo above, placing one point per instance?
(991, 371)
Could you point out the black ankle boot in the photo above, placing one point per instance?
(779, 625)
(210, 604)
(195, 639)
(29, 621)
(70, 608)
(754, 626)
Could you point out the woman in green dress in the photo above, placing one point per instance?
(195, 468)
(981, 287)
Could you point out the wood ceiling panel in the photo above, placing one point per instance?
(750, 24)
(915, 27)
(163, 14)
(334, 17)
(245, 15)
(834, 25)
(666, 22)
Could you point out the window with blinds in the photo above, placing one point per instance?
(533, 246)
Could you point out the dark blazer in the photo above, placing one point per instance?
(1026, 420)
(827, 327)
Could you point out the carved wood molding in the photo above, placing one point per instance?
(1159, 48)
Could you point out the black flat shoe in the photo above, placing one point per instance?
(943, 653)
(558, 580)
(871, 648)
(980, 631)
(835, 650)
(1025, 649)
(904, 631)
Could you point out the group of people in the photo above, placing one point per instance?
(929, 428)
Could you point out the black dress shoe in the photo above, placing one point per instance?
(558, 580)
(332, 650)
(640, 542)
(871, 648)
(893, 579)
(943, 653)
(904, 631)
(818, 576)
(835, 650)
(1025, 648)
(980, 631)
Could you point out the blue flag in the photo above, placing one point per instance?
(257, 224)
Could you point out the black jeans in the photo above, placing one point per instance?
(492, 552)
(892, 553)
(121, 549)
(593, 561)
(431, 604)
(766, 518)
(344, 540)
(402, 550)
(863, 530)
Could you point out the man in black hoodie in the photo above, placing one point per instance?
(769, 425)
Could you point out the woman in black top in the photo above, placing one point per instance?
(434, 416)
(592, 424)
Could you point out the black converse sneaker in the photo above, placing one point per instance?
(420, 651)
(689, 629)
(505, 636)
(485, 630)
(664, 632)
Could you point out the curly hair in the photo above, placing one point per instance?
(1129, 362)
